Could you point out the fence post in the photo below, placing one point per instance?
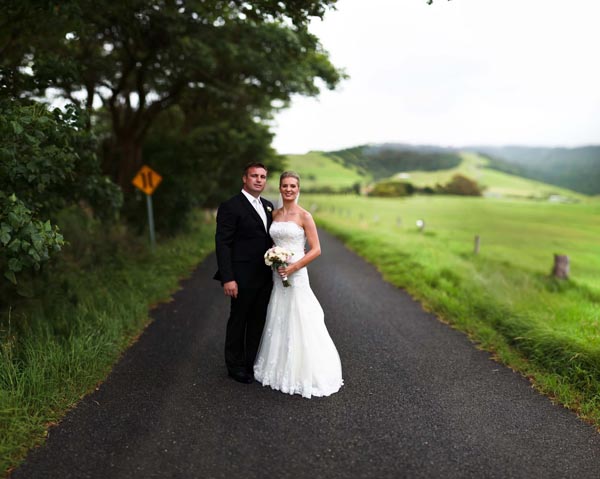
(561, 266)
(477, 240)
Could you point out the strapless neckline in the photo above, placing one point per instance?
(288, 236)
(293, 222)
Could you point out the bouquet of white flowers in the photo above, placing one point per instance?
(276, 257)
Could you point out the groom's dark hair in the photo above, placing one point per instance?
(254, 164)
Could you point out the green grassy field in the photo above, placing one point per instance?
(503, 297)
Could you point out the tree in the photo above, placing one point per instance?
(462, 185)
(139, 58)
(201, 164)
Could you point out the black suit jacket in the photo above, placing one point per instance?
(241, 242)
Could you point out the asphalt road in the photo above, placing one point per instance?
(419, 401)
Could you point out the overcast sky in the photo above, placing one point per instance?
(454, 73)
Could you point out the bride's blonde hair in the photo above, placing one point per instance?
(289, 174)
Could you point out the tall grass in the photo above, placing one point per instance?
(504, 297)
(58, 347)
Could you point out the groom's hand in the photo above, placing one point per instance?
(231, 289)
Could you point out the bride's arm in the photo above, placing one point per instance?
(310, 229)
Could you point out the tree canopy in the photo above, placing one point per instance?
(138, 58)
(188, 86)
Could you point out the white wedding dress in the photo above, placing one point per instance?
(296, 353)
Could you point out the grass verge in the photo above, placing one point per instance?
(549, 330)
(58, 348)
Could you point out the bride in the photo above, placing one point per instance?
(296, 353)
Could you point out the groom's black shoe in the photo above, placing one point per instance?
(241, 377)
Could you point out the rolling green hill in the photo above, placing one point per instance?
(320, 170)
(382, 161)
(335, 171)
(496, 183)
(575, 168)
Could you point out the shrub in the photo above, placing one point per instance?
(462, 185)
(47, 162)
(391, 188)
(26, 241)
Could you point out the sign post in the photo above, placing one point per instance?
(150, 220)
(148, 180)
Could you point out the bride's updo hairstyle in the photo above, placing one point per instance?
(289, 174)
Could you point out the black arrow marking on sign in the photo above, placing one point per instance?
(147, 180)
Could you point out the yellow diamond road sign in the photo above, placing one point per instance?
(147, 180)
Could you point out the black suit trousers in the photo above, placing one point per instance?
(245, 326)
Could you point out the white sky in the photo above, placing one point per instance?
(458, 72)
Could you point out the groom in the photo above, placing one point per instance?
(241, 240)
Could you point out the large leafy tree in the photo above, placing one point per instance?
(201, 160)
(139, 58)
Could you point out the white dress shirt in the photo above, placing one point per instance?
(257, 204)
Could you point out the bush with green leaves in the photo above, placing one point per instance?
(47, 162)
(48, 159)
(461, 185)
(26, 242)
(392, 188)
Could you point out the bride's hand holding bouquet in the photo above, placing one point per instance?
(277, 257)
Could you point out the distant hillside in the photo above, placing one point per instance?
(535, 173)
(575, 168)
(321, 172)
(329, 172)
(382, 161)
(495, 183)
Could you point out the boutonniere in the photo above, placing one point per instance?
(269, 209)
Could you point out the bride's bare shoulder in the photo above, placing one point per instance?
(305, 215)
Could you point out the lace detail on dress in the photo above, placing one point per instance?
(292, 238)
(296, 354)
(290, 235)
